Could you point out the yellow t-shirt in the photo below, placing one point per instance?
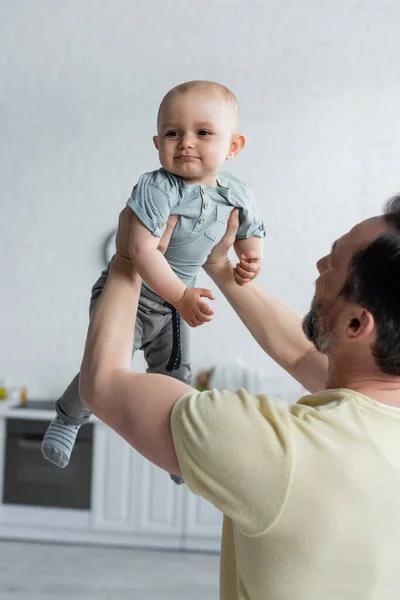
(310, 492)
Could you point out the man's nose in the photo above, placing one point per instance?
(186, 141)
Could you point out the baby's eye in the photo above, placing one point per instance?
(203, 132)
(172, 134)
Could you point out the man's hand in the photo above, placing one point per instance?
(166, 237)
(124, 233)
(193, 309)
(219, 254)
(250, 263)
(248, 268)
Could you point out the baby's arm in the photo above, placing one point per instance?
(155, 270)
(249, 252)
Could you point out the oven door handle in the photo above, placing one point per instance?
(29, 443)
(33, 442)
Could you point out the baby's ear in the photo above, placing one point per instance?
(155, 142)
(237, 144)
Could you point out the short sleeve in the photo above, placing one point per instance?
(152, 201)
(249, 224)
(236, 451)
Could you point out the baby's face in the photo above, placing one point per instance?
(195, 132)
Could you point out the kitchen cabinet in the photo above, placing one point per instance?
(133, 503)
(132, 496)
(202, 524)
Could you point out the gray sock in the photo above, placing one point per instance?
(59, 441)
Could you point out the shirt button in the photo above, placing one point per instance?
(161, 225)
(206, 205)
(203, 190)
(201, 221)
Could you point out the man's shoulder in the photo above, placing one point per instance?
(241, 404)
(240, 192)
(215, 406)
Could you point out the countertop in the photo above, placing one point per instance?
(11, 409)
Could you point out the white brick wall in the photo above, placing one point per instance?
(318, 83)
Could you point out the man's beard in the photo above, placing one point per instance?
(316, 327)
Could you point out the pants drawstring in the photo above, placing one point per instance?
(175, 359)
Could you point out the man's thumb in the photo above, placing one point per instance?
(233, 222)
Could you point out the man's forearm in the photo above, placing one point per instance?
(275, 327)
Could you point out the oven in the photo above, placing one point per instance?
(31, 480)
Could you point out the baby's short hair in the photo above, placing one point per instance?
(203, 86)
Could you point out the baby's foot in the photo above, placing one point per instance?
(59, 441)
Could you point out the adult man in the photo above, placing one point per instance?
(310, 492)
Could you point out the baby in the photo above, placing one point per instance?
(197, 126)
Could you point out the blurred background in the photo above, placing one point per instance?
(318, 85)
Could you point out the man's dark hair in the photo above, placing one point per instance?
(373, 282)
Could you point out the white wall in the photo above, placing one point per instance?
(319, 89)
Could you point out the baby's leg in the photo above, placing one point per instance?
(162, 352)
(60, 437)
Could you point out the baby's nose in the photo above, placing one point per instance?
(187, 141)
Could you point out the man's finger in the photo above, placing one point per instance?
(172, 221)
(233, 222)
(166, 237)
(233, 225)
(125, 217)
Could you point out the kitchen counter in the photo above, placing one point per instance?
(11, 409)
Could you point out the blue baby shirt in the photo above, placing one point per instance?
(203, 210)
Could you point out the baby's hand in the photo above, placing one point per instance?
(193, 309)
(248, 268)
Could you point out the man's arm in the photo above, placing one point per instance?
(137, 406)
(276, 327)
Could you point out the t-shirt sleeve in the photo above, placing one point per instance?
(152, 201)
(249, 224)
(236, 451)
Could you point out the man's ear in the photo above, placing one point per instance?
(237, 144)
(156, 142)
(360, 324)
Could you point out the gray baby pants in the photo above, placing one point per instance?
(153, 335)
